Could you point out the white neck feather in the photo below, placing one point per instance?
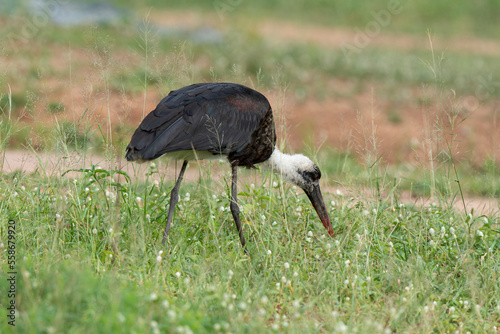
(277, 162)
(286, 165)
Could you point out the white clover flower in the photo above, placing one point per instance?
(295, 274)
(332, 203)
(87, 189)
(391, 244)
(283, 279)
(346, 282)
(274, 223)
(152, 165)
(263, 217)
(230, 273)
(308, 239)
(431, 243)
(75, 181)
(366, 212)
(426, 309)
(269, 252)
(138, 200)
(451, 309)
(264, 300)
(286, 265)
(110, 230)
(339, 192)
(275, 184)
(278, 286)
(156, 183)
(252, 185)
(368, 279)
(94, 231)
(432, 232)
(479, 233)
(298, 209)
(341, 327)
(58, 218)
(347, 262)
(452, 230)
(221, 209)
(158, 258)
(178, 274)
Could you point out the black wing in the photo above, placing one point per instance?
(221, 118)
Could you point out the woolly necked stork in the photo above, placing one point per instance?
(210, 120)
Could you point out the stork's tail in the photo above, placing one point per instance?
(133, 155)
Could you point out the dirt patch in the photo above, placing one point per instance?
(334, 37)
(286, 32)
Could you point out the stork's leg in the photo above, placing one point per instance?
(235, 210)
(174, 197)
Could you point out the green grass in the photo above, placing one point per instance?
(88, 258)
(462, 17)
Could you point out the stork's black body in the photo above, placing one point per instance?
(214, 119)
(220, 118)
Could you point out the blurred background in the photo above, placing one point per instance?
(407, 85)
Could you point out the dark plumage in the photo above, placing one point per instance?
(220, 118)
(212, 119)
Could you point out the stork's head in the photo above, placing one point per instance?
(301, 171)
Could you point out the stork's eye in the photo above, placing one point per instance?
(311, 175)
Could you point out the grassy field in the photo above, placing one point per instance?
(89, 259)
(87, 244)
